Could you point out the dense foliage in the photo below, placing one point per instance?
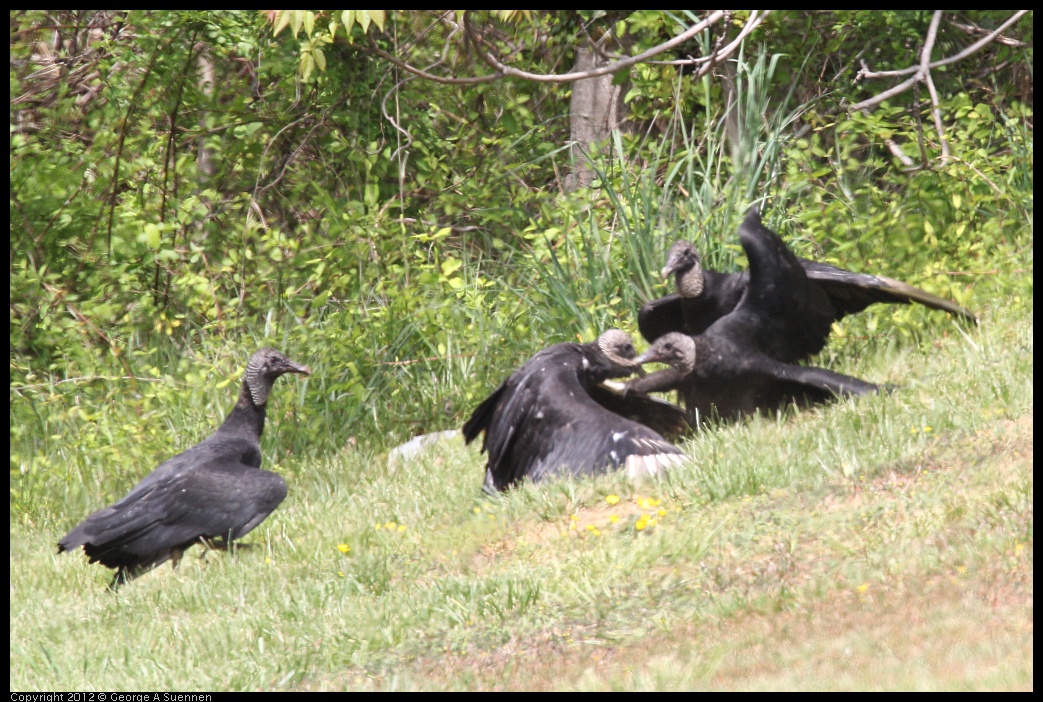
(186, 187)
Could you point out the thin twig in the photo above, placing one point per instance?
(89, 379)
(423, 360)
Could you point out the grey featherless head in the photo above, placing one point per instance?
(617, 345)
(262, 370)
(675, 349)
(682, 260)
(682, 352)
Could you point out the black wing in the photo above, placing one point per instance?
(782, 314)
(542, 422)
(692, 315)
(763, 385)
(785, 383)
(662, 417)
(846, 292)
(851, 292)
(204, 492)
(661, 316)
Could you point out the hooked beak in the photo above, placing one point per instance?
(298, 368)
(649, 356)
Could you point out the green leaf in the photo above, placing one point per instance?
(450, 266)
(150, 236)
(621, 77)
(296, 19)
(378, 17)
(282, 23)
(372, 191)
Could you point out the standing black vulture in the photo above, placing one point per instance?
(546, 418)
(732, 368)
(212, 491)
(704, 296)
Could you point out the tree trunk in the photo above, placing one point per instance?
(596, 108)
(205, 156)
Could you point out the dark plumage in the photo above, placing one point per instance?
(704, 296)
(212, 491)
(545, 419)
(719, 377)
(731, 368)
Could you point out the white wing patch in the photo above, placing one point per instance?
(640, 467)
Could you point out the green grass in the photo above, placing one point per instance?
(880, 543)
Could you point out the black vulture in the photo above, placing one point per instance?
(732, 368)
(704, 296)
(720, 376)
(547, 419)
(212, 492)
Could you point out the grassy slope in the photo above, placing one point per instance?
(881, 543)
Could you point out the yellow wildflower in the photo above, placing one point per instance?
(343, 548)
(612, 499)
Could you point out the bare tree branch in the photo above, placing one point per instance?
(866, 73)
(506, 70)
(922, 73)
(925, 72)
(502, 69)
(889, 93)
(716, 56)
(718, 51)
(897, 152)
(975, 29)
